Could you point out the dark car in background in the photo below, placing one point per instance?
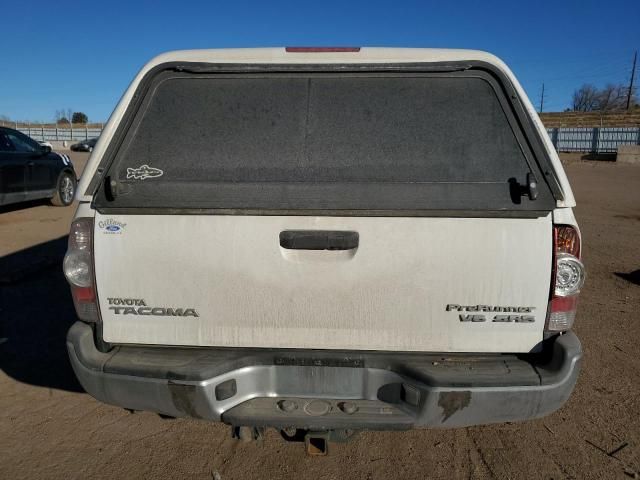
(30, 171)
(85, 146)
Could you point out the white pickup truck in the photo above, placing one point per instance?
(326, 240)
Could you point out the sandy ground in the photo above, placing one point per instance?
(50, 428)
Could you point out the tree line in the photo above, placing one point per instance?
(589, 98)
(62, 117)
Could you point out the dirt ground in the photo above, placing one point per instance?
(50, 428)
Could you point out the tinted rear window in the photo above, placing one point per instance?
(322, 141)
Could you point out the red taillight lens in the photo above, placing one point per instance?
(83, 294)
(320, 49)
(568, 278)
(78, 269)
(562, 313)
(567, 240)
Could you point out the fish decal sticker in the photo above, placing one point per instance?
(143, 172)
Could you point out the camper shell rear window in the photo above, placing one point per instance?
(384, 141)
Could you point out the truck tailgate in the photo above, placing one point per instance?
(226, 281)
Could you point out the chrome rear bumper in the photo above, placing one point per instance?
(322, 390)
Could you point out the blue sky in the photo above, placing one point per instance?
(82, 55)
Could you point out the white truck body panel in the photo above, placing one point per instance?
(390, 293)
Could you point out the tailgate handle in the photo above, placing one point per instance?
(319, 240)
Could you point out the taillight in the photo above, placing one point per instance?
(568, 278)
(78, 269)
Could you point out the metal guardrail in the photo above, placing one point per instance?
(593, 140)
(53, 134)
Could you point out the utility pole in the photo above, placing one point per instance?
(633, 73)
(542, 98)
